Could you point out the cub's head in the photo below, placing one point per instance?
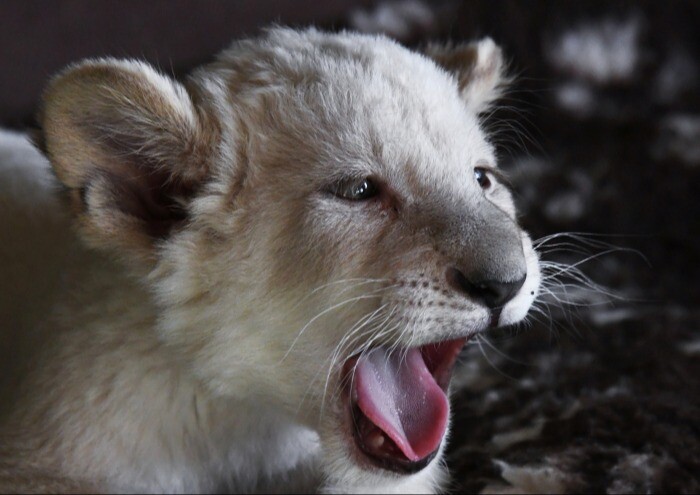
(321, 219)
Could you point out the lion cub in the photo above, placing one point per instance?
(276, 263)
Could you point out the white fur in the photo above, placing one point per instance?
(214, 372)
(33, 232)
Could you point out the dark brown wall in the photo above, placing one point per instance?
(39, 37)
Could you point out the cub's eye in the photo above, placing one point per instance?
(482, 177)
(356, 189)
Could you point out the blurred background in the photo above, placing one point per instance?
(600, 135)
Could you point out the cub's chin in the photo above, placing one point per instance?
(395, 408)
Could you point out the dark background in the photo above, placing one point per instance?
(40, 37)
(603, 394)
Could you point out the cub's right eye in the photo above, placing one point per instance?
(356, 189)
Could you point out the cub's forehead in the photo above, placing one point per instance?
(364, 99)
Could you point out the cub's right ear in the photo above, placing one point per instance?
(132, 148)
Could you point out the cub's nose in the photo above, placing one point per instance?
(494, 294)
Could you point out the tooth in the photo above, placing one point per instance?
(376, 440)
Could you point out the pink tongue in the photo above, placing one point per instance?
(399, 395)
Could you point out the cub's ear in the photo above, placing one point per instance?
(478, 67)
(130, 145)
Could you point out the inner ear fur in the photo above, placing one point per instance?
(130, 145)
(478, 67)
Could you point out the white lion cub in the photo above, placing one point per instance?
(277, 262)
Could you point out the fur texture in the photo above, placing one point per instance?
(193, 339)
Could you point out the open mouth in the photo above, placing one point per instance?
(398, 403)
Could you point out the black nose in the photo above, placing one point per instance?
(492, 293)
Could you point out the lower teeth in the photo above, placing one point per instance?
(376, 440)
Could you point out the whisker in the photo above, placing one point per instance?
(370, 295)
(341, 350)
(477, 341)
(486, 341)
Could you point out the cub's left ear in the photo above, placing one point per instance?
(131, 145)
(478, 67)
